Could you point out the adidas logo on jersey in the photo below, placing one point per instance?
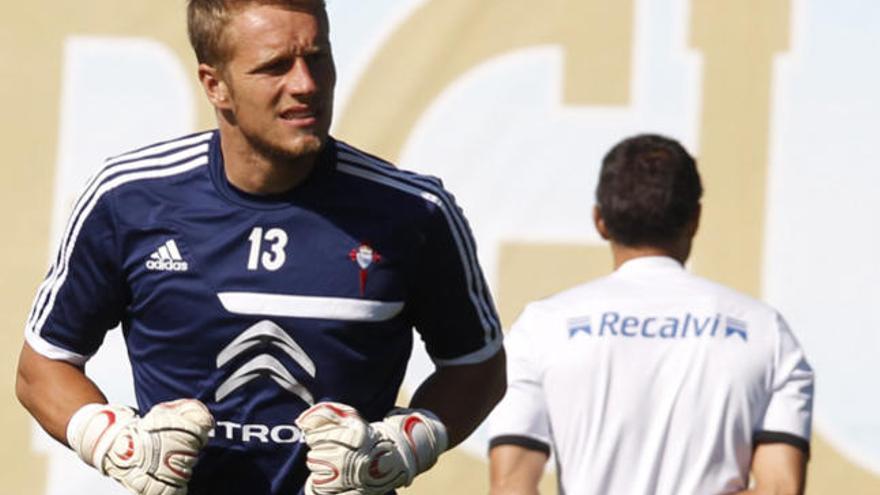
(167, 259)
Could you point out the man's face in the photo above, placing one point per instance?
(280, 78)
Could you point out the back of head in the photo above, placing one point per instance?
(207, 19)
(649, 191)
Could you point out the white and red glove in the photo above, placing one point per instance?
(351, 457)
(153, 455)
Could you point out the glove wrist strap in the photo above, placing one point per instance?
(422, 434)
(92, 429)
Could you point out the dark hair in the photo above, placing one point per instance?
(649, 189)
(207, 19)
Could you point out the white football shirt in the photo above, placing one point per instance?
(653, 381)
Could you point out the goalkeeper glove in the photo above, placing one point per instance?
(349, 456)
(153, 455)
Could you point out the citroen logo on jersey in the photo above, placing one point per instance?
(167, 258)
(264, 335)
(364, 255)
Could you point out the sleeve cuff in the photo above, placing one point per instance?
(52, 351)
(520, 441)
(799, 443)
(478, 356)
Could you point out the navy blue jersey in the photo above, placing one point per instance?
(263, 305)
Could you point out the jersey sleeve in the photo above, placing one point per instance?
(521, 417)
(453, 310)
(788, 417)
(83, 295)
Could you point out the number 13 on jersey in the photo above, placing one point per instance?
(272, 257)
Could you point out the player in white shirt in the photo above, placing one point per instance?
(652, 380)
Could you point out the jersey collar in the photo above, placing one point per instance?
(323, 169)
(649, 263)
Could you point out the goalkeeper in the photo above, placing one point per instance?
(267, 278)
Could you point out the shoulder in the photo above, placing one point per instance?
(730, 297)
(556, 310)
(384, 176)
(164, 159)
(745, 315)
(166, 147)
(572, 301)
(589, 290)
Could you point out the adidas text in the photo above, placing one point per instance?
(167, 266)
(167, 258)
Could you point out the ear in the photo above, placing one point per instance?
(694, 224)
(215, 87)
(599, 222)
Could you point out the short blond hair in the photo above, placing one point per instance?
(206, 22)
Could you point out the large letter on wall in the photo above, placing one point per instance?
(410, 71)
(443, 40)
(32, 41)
(738, 41)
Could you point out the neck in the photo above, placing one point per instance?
(623, 253)
(254, 172)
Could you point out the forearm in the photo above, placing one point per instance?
(514, 470)
(778, 469)
(789, 489)
(462, 396)
(774, 490)
(512, 490)
(761, 491)
(52, 391)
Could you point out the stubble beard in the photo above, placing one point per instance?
(303, 145)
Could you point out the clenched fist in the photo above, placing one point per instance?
(152, 455)
(349, 456)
